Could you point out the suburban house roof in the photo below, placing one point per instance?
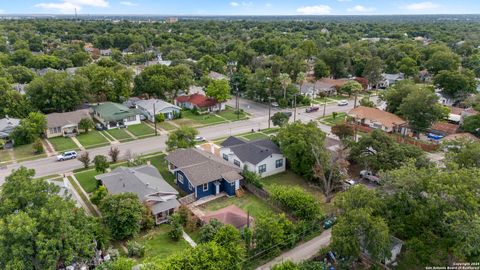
(373, 114)
(232, 215)
(144, 181)
(7, 125)
(159, 105)
(217, 76)
(202, 167)
(253, 151)
(66, 118)
(198, 100)
(110, 111)
(393, 77)
(444, 127)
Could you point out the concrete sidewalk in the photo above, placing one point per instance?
(301, 252)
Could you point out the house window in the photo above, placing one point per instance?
(262, 168)
(205, 187)
(180, 178)
(279, 163)
(190, 187)
(236, 162)
(131, 118)
(225, 156)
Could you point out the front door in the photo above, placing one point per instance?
(217, 189)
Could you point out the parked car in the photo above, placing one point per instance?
(342, 102)
(200, 139)
(288, 114)
(349, 183)
(143, 117)
(329, 222)
(275, 104)
(368, 175)
(312, 109)
(99, 127)
(67, 155)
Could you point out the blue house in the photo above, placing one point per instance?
(203, 173)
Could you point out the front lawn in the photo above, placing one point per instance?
(202, 119)
(166, 126)
(231, 114)
(141, 130)
(270, 130)
(5, 155)
(63, 144)
(87, 180)
(119, 134)
(248, 203)
(158, 243)
(26, 152)
(255, 136)
(291, 179)
(92, 139)
(331, 121)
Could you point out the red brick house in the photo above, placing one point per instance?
(200, 102)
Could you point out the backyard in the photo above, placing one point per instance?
(141, 130)
(248, 203)
(92, 139)
(158, 243)
(63, 144)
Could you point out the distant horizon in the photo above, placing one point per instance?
(231, 15)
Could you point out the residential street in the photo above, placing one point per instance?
(301, 252)
(258, 120)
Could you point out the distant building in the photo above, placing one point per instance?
(107, 52)
(161, 107)
(390, 79)
(171, 20)
(7, 125)
(378, 119)
(217, 76)
(200, 102)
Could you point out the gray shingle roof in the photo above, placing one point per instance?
(201, 167)
(231, 141)
(67, 118)
(7, 125)
(252, 151)
(144, 181)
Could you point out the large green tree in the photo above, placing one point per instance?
(219, 90)
(456, 84)
(443, 60)
(184, 137)
(108, 83)
(122, 214)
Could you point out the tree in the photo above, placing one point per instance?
(471, 124)
(287, 265)
(296, 141)
(86, 124)
(162, 81)
(38, 228)
(421, 109)
(443, 60)
(209, 230)
(365, 102)
(378, 151)
(301, 203)
(112, 82)
(280, 119)
(373, 70)
(408, 67)
(38, 146)
(395, 94)
(122, 214)
(351, 87)
(343, 131)
(160, 118)
(21, 74)
(285, 81)
(321, 69)
(219, 90)
(98, 195)
(184, 137)
(456, 84)
(57, 92)
(273, 233)
(464, 153)
(101, 163)
(121, 263)
(114, 152)
(85, 159)
(176, 229)
(29, 129)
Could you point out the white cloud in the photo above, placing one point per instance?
(234, 4)
(268, 5)
(421, 6)
(128, 3)
(314, 10)
(344, 0)
(359, 8)
(243, 4)
(69, 6)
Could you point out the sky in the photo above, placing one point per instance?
(239, 7)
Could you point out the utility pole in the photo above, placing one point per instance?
(294, 107)
(269, 109)
(237, 103)
(154, 118)
(324, 106)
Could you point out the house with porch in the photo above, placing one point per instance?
(65, 124)
(203, 174)
(260, 156)
(375, 118)
(152, 107)
(113, 115)
(199, 102)
(148, 184)
(7, 125)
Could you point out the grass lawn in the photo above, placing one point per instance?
(203, 119)
(86, 200)
(255, 136)
(248, 203)
(270, 130)
(231, 114)
(329, 120)
(166, 126)
(158, 243)
(162, 166)
(92, 139)
(141, 130)
(119, 134)
(5, 156)
(289, 178)
(63, 144)
(87, 180)
(26, 152)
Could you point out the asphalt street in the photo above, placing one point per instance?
(258, 120)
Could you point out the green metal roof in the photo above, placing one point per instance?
(110, 111)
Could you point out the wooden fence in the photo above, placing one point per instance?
(265, 196)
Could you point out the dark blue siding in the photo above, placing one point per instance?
(184, 186)
(210, 191)
(228, 188)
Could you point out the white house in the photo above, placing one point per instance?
(152, 107)
(390, 79)
(261, 156)
(113, 115)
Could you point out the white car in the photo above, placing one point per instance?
(200, 139)
(67, 155)
(275, 104)
(349, 183)
(342, 102)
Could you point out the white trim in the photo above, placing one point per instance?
(203, 187)
(180, 178)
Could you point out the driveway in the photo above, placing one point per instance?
(301, 252)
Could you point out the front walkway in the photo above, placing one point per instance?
(301, 252)
(188, 239)
(77, 142)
